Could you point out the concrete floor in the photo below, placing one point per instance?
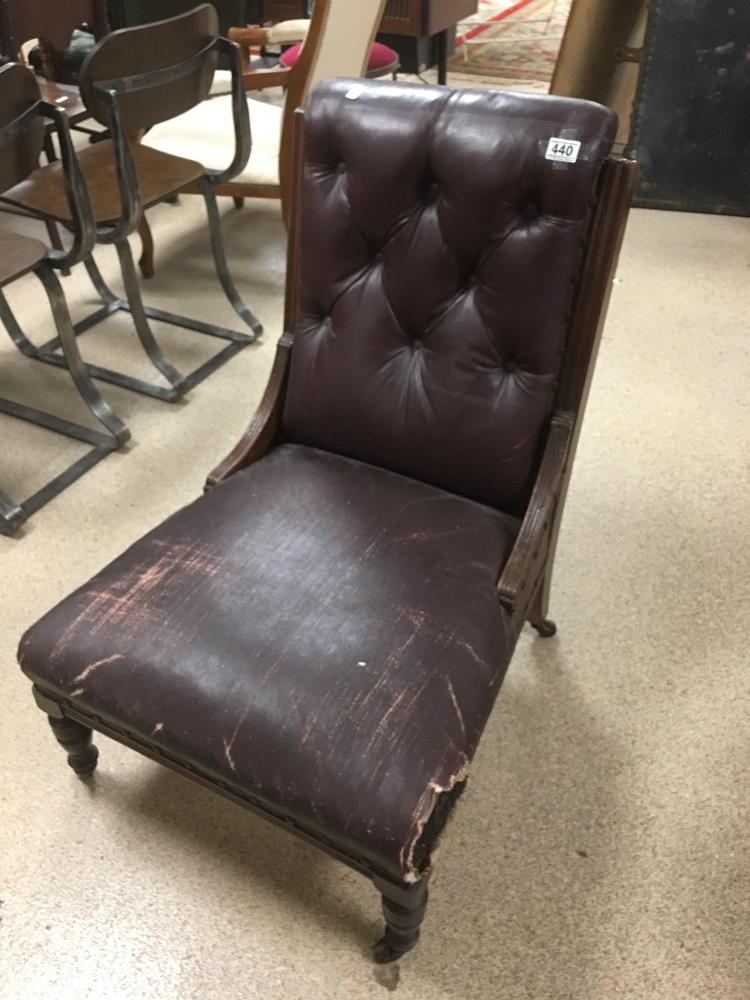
(602, 849)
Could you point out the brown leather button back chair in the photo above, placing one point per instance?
(321, 637)
(24, 119)
(132, 80)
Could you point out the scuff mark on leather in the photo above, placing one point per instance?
(426, 807)
(228, 744)
(87, 671)
(471, 651)
(132, 596)
(459, 713)
(228, 753)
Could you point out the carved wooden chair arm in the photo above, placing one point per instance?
(254, 36)
(526, 562)
(251, 36)
(264, 426)
(261, 79)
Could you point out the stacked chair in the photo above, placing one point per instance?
(145, 85)
(132, 80)
(24, 119)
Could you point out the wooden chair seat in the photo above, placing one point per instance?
(18, 255)
(159, 176)
(348, 706)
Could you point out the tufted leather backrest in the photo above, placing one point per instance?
(439, 249)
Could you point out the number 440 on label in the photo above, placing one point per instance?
(562, 150)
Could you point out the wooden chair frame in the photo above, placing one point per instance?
(524, 581)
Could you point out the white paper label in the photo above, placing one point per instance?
(354, 93)
(562, 150)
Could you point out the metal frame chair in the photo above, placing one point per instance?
(173, 62)
(22, 130)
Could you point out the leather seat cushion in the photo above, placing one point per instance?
(321, 635)
(206, 133)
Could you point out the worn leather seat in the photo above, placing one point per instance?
(330, 650)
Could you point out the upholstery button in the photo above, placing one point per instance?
(341, 168)
(417, 345)
(378, 258)
(511, 366)
(530, 211)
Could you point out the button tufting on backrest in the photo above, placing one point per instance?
(454, 419)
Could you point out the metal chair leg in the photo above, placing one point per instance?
(15, 332)
(146, 262)
(74, 362)
(133, 303)
(140, 319)
(11, 515)
(220, 260)
(101, 288)
(71, 360)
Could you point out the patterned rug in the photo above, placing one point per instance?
(513, 39)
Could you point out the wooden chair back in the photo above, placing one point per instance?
(21, 127)
(159, 70)
(129, 13)
(337, 44)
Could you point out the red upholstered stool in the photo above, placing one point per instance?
(383, 59)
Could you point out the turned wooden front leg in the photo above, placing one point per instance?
(404, 909)
(76, 740)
